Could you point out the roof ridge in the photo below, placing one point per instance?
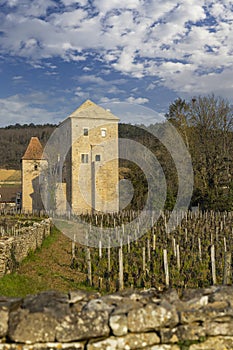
(90, 109)
(34, 149)
(86, 104)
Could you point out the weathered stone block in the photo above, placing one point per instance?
(126, 306)
(152, 317)
(54, 303)
(43, 346)
(223, 293)
(210, 311)
(4, 316)
(130, 341)
(216, 343)
(25, 327)
(119, 324)
(192, 331)
(83, 326)
(219, 328)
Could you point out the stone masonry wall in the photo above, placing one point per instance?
(149, 320)
(13, 249)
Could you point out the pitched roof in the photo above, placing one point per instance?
(91, 110)
(34, 150)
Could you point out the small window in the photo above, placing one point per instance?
(84, 158)
(35, 167)
(85, 131)
(97, 158)
(103, 132)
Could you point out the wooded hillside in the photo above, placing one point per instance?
(14, 141)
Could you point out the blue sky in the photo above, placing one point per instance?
(56, 54)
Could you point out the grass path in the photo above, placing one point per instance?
(46, 269)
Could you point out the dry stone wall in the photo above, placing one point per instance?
(13, 249)
(149, 320)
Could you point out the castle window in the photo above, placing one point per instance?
(103, 132)
(35, 167)
(97, 158)
(85, 131)
(84, 158)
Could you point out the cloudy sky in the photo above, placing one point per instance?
(54, 54)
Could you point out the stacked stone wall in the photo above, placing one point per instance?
(13, 249)
(149, 320)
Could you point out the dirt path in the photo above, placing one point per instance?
(50, 266)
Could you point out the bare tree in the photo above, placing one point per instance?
(205, 123)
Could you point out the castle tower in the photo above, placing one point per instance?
(92, 162)
(31, 166)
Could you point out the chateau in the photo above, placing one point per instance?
(83, 156)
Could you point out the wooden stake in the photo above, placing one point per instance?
(178, 256)
(225, 244)
(154, 241)
(199, 249)
(121, 270)
(148, 249)
(174, 246)
(109, 256)
(213, 266)
(166, 269)
(100, 249)
(128, 243)
(143, 259)
(89, 271)
(186, 234)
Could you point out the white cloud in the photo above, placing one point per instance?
(94, 87)
(151, 86)
(167, 39)
(104, 100)
(105, 5)
(17, 77)
(75, 2)
(137, 100)
(71, 19)
(19, 109)
(79, 92)
(92, 79)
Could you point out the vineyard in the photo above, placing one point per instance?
(196, 254)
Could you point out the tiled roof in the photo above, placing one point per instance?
(34, 150)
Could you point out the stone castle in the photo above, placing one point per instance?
(85, 146)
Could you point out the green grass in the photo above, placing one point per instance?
(48, 241)
(14, 285)
(36, 272)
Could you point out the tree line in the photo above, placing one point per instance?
(14, 140)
